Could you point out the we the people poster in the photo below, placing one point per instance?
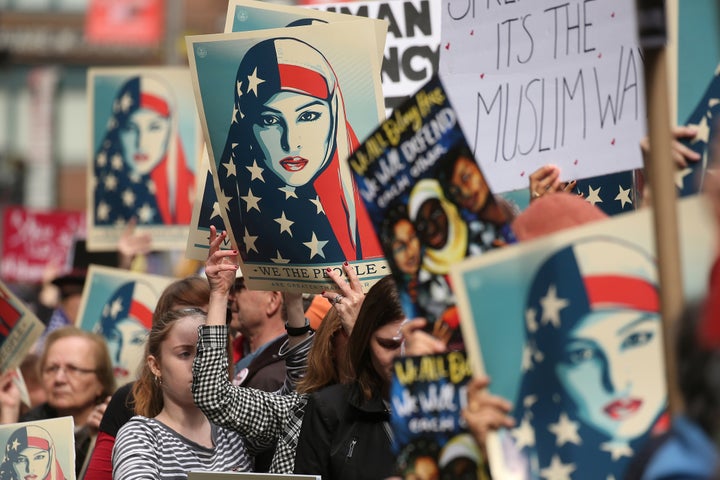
(281, 110)
(144, 149)
(578, 352)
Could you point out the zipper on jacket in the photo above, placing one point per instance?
(351, 448)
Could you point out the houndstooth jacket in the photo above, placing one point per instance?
(262, 417)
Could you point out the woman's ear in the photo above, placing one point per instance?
(154, 365)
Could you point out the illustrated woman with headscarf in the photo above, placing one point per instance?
(140, 167)
(30, 454)
(285, 157)
(125, 322)
(593, 384)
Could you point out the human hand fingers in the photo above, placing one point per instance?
(681, 154)
(442, 332)
(567, 186)
(543, 179)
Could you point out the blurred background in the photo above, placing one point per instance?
(46, 47)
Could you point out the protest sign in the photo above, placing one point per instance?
(428, 201)
(545, 82)
(427, 395)
(286, 193)
(578, 352)
(39, 449)
(412, 49)
(53, 233)
(144, 149)
(19, 328)
(119, 304)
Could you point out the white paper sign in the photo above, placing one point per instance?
(545, 81)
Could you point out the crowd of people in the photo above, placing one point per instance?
(234, 379)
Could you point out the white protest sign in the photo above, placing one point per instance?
(545, 81)
(413, 41)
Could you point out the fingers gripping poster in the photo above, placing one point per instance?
(282, 109)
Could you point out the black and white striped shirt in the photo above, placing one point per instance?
(146, 449)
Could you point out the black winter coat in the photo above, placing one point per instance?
(345, 438)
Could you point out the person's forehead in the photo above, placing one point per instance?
(71, 349)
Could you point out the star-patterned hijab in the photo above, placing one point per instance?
(32, 436)
(160, 197)
(591, 314)
(320, 222)
(132, 301)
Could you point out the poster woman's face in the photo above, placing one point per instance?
(32, 463)
(467, 185)
(432, 224)
(294, 133)
(406, 247)
(126, 343)
(144, 139)
(622, 402)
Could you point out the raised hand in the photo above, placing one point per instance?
(350, 297)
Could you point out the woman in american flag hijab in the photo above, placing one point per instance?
(593, 386)
(140, 167)
(292, 194)
(30, 453)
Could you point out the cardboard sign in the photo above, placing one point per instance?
(568, 328)
(545, 82)
(289, 202)
(34, 238)
(144, 150)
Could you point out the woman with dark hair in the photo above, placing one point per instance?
(345, 431)
(140, 166)
(286, 149)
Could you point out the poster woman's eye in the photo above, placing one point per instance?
(577, 353)
(267, 120)
(637, 339)
(309, 116)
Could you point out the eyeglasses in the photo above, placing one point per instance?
(71, 371)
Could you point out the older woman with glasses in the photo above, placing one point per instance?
(77, 376)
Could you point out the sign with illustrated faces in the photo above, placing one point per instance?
(545, 82)
(118, 304)
(281, 111)
(428, 201)
(144, 150)
(568, 329)
(412, 48)
(19, 329)
(427, 395)
(42, 449)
